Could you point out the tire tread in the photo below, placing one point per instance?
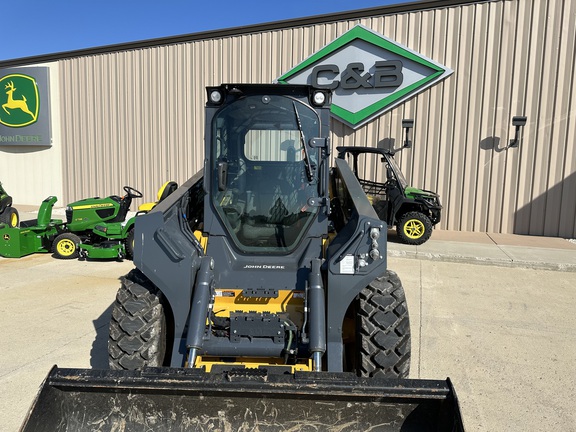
(137, 327)
(383, 329)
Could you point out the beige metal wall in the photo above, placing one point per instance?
(136, 117)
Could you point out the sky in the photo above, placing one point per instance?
(35, 27)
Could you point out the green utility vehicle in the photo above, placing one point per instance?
(94, 228)
(8, 214)
(413, 211)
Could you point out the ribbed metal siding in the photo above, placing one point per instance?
(136, 117)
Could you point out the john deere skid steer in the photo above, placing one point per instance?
(261, 298)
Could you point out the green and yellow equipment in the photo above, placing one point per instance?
(31, 236)
(413, 211)
(8, 214)
(94, 228)
(165, 190)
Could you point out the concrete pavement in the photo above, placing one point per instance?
(506, 337)
(503, 250)
(51, 312)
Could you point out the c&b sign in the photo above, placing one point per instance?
(368, 74)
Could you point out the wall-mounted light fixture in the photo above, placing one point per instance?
(407, 124)
(518, 122)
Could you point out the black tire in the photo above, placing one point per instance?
(10, 217)
(65, 246)
(414, 228)
(383, 329)
(137, 333)
(129, 244)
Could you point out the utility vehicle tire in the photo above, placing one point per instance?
(414, 228)
(10, 217)
(65, 246)
(383, 329)
(129, 244)
(137, 335)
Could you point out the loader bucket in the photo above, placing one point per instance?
(163, 399)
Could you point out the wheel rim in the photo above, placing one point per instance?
(414, 228)
(65, 247)
(13, 220)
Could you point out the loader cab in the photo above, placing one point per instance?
(265, 178)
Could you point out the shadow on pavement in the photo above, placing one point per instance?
(99, 351)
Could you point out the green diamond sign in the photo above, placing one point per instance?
(368, 74)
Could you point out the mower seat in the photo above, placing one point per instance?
(166, 189)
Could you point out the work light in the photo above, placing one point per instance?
(318, 98)
(216, 97)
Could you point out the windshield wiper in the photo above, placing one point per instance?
(307, 162)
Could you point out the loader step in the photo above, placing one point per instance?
(163, 399)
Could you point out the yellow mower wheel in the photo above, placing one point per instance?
(14, 220)
(66, 246)
(10, 217)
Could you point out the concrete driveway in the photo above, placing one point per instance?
(505, 336)
(51, 312)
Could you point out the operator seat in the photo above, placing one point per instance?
(164, 191)
(125, 202)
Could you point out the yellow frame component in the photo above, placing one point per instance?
(203, 240)
(252, 363)
(232, 300)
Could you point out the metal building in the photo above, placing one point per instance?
(133, 113)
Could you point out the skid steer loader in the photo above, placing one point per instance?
(261, 298)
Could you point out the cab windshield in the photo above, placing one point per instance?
(262, 175)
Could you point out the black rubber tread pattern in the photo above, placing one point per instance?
(137, 335)
(129, 244)
(422, 218)
(66, 236)
(383, 329)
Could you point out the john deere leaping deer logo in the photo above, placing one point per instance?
(19, 100)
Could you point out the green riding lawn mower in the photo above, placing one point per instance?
(413, 211)
(8, 214)
(94, 228)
